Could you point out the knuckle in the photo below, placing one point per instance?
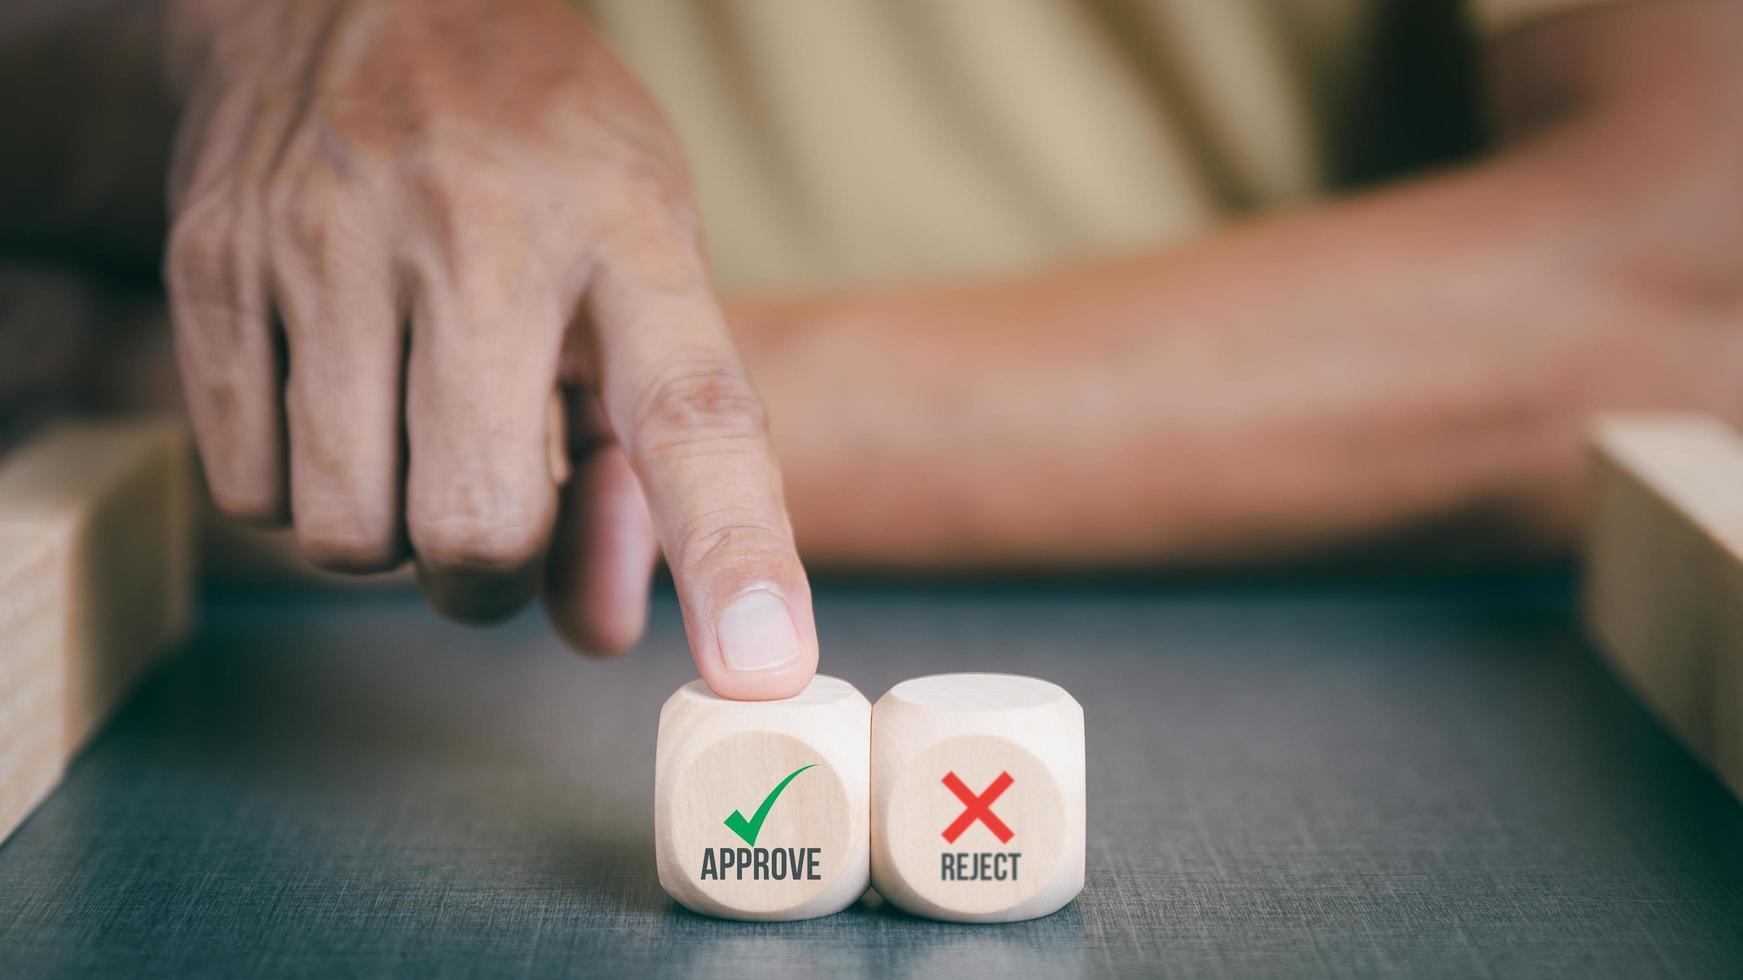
(735, 541)
(248, 501)
(241, 475)
(447, 163)
(304, 212)
(475, 543)
(207, 271)
(655, 210)
(195, 253)
(698, 405)
(356, 544)
(350, 555)
(662, 189)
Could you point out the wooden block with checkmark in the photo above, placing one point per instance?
(761, 808)
(977, 797)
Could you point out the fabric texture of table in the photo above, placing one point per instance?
(1438, 780)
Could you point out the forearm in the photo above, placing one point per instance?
(1262, 393)
(1421, 359)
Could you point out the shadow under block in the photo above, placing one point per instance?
(1664, 574)
(96, 550)
(977, 797)
(762, 808)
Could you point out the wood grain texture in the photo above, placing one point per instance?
(761, 808)
(96, 549)
(1664, 574)
(978, 797)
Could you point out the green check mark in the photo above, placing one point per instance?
(747, 830)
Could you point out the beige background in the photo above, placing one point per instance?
(852, 142)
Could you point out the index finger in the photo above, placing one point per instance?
(678, 402)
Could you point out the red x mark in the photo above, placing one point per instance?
(979, 807)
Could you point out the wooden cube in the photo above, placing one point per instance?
(977, 797)
(1664, 574)
(1727, 705)
(761, 808)
(96, 570)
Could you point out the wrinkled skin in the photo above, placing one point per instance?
(400, 229)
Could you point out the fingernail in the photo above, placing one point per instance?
(756, 633)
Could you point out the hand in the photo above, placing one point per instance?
(456, 209)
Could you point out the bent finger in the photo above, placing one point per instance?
(602, 553)
(227, 351)
(480, 497)
(344, 342)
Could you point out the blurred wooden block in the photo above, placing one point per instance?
(762, 808)
(96, 562)
(978, 797)
(1728, 684)
(1664, 574)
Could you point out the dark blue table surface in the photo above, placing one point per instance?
(1437, 779)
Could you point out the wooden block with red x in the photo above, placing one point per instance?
(977, 807)
(977, 797)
